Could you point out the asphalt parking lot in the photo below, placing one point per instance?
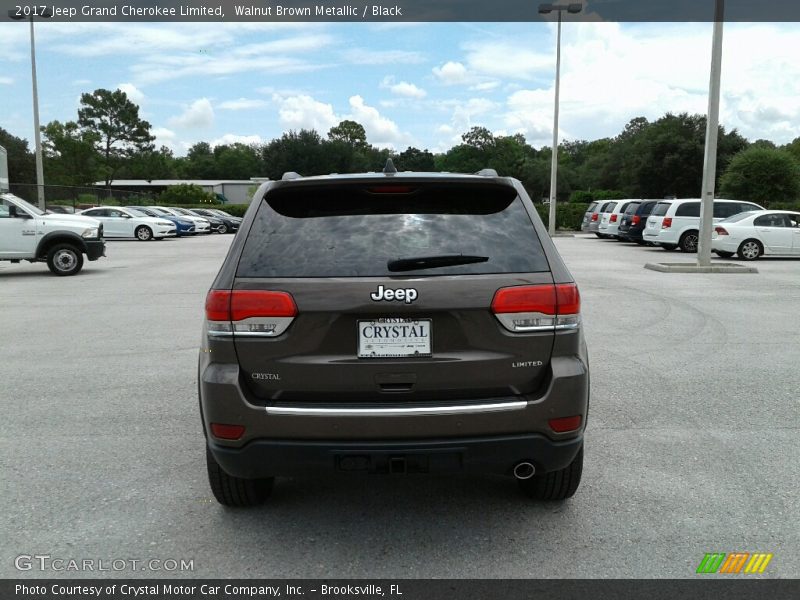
(692, 445)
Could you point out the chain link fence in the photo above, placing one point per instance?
(79, 197)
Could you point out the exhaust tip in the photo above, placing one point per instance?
(524, 470)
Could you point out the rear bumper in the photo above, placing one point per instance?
(631, 234)
(492, 455)
(95, 249)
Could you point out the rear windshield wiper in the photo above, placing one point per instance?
(432, 262)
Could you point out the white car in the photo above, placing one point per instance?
(130, 223)
(757, 233)
(609, 222)
(201, 225)
(676, 223)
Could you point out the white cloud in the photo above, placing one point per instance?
(451, 73)
(162, 52)
(381, 131)
(242, 104)
(232, 138)
(506, 59)
(164, 136)
(198, 115)
(368, 56)
(531, 112)
(403, 88)
(486, 86)
(134, 94)
(6, 81)
(161, 68)
(304, 112)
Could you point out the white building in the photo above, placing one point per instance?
(234, 191)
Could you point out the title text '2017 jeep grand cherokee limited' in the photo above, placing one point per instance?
(393, 323)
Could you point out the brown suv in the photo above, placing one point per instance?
(393, 323)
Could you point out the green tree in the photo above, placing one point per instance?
(479, 137)
(299, 151)
(186, 193)
(120, 132)
(21, 162)
(198, 162)
(763, 175)
(236, 161)
(350, 132)
(151, 164)
(793, 148)
(70, 154)
(414, 159)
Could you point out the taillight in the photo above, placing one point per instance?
(721, 231)
(613, 218)
(635, 220)
(666, 223)
(227, 432)
(251, 313)
(594, 216)
(538, 307)
(565, 424)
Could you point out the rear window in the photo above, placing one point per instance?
(661, 209)
(609, 207)
(353, 231)
(592, 206)
(688, 209)
(632, 208)
(647, 208)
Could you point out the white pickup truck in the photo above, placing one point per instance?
(27, 233)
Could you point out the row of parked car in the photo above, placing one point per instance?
(740, 228)
(146, 223)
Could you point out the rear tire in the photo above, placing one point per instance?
(558, 485)
(235, 491)
(723, 254)
(689, 242)
(750, 250)
(64, 260)
(223, 229)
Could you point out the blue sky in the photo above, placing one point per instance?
(408, 84)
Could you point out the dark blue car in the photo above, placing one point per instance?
(182, 226)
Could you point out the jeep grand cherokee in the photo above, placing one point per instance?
(393, 323)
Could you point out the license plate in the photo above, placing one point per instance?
(394, 338)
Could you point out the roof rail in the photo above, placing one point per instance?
(289, 175)
(487, 173)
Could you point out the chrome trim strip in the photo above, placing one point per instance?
(533, 328)
(395, 412)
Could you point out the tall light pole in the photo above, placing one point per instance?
(712, 132)
(545, 9)
(37, 134)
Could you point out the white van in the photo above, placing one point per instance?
(609, 221)
(676, 223)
